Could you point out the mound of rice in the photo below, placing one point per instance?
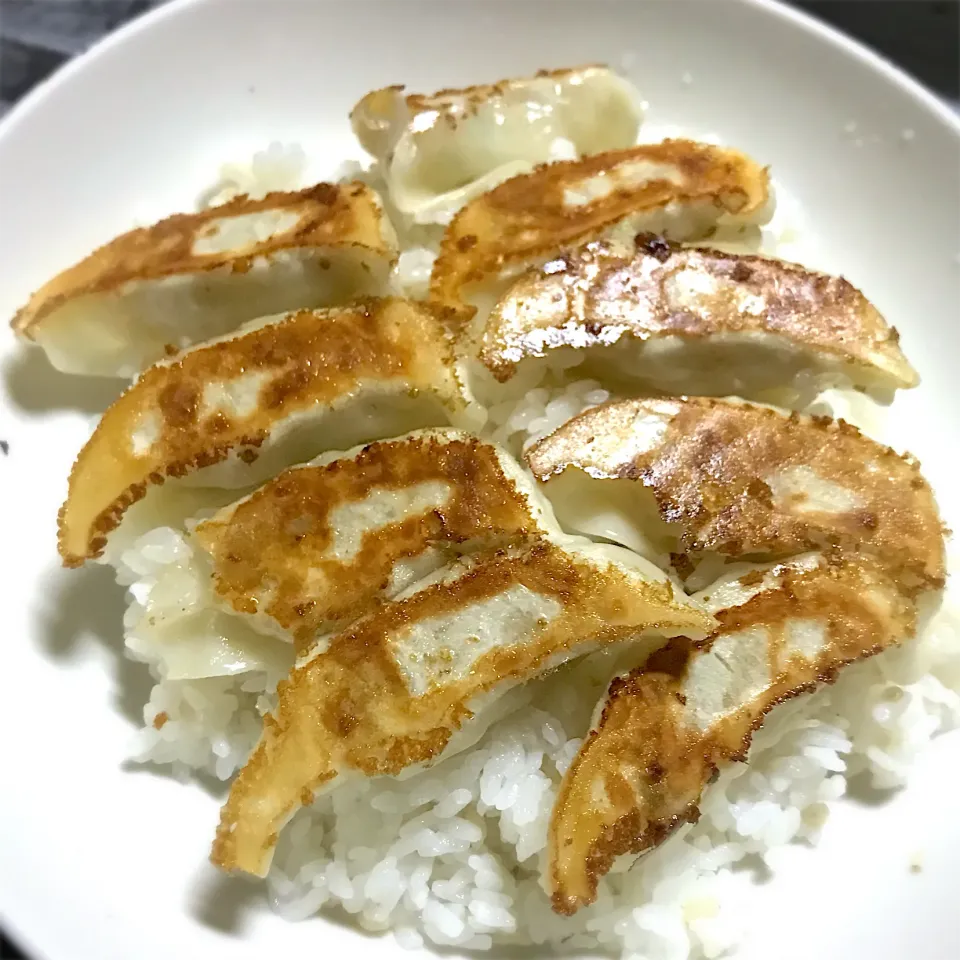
(452, 856)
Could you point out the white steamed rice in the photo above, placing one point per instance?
(279, 167)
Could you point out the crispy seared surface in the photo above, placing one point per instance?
(480, 93)
(746, 480)
(275, 551)
(376, 110)
(531, 215)
(349, 707)
(329, 215)
(642, 770)
(304, 361)
(605, 291)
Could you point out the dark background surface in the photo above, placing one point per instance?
(37, 36)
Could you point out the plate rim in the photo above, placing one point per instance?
(799, 19)
(35, 100)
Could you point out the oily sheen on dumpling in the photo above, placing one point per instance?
(153, 291)
(649, 315)
(440, 150)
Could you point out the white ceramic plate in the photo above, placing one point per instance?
(103, 862)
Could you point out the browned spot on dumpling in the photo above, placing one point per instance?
(326, 213)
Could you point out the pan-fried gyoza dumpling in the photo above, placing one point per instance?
(683, 321)
(704, 480)
(317, 545)
(439, 151)
(191, 277)
(667, 727)
(690, 477)
(231, 413)
(403, 686)
(679, 188)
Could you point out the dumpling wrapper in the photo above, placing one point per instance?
(692, 321)
(174, 624)
(401, 687)
(317, 545)
(439, 151)
(695, 476)
(158, 289)
(231, 413)
(668, 726)
(678, 188)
